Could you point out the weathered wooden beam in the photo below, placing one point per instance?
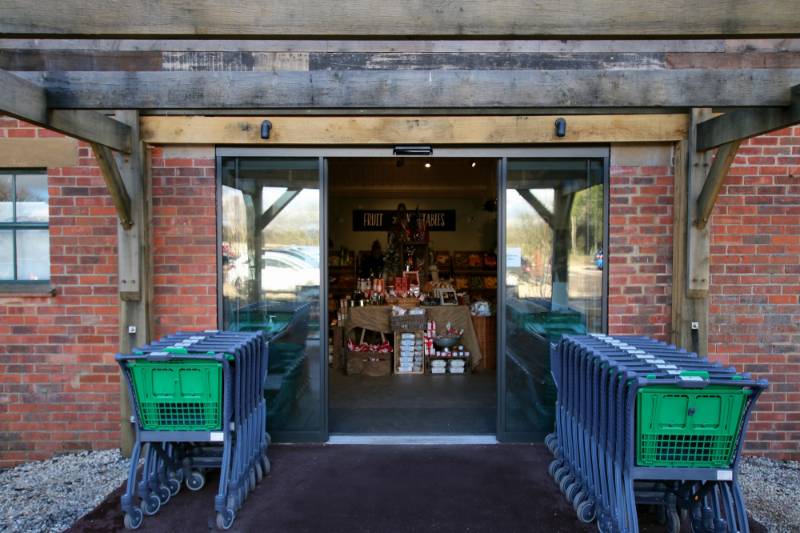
(412, 18)
(418, 88)
(716, 176)
(745, 123)
(114, 183)
(134, 263)
(412, 129)
(534, 202)
(275, 209)
(27, 101)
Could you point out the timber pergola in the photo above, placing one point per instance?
(342, 106)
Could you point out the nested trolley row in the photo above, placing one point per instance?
(198, 403)
(640, 421)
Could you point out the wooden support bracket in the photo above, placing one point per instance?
(745, 123)
(716, 176)
(116, 187)
(29, 102)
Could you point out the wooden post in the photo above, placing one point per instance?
(691, 244)
(135, 266)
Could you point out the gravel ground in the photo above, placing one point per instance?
(48, 496)
(771, 490)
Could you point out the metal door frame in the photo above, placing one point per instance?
(501, 154)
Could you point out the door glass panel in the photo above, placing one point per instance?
(33, 254)
(271, 278)
(6, 199)
(554, 277)
(32, 198)
(6, 254)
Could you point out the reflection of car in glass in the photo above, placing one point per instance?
(285, 272)
(598, 259)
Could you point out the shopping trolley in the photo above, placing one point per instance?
(197, 403)
(640, 421)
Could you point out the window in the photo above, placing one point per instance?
(24, 228)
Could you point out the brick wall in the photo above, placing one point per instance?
(184, 239)
(640, 242)
(59, 384)
(754, 313)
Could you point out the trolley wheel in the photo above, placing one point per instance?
(225, 519)
(195, 481)
(231, 502)
(269, 438)
(586, 512)
(259, 472)
(565, 482)
(573, 491)
(133, 519)
(266, 465)
(174, 486)
(164, 493)
(550, 441)
(554, 465)
(151, 504)
(253, 479)
(561, 473)
(579, 498)
(673, 522)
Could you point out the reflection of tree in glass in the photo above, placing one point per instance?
(587, 220)
(530, 233)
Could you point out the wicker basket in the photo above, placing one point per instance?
(408, 322)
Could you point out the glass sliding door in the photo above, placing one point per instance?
(270, 242)
(553, 228)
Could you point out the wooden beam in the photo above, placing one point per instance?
(716, 176)
(411, 18)
(745, 123)
(45, 152)
(27, 101)
(680, 323)
(134, 262)
(275, 209)
(114, 183)
(414, 129)
(418, 88)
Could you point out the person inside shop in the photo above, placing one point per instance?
(372, 265)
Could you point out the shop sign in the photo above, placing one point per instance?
(385, 220)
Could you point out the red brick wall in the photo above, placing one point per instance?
(184, 240)
(754, 313)
(640, 250)
(59, 384)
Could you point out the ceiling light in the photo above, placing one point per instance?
(427, 165)
(474, 164)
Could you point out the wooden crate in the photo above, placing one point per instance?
(486, 331)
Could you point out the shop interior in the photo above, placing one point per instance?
(412, 277)
(412, 271)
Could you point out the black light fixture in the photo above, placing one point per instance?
(561, 127)
(266, 127)
(413, 149)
